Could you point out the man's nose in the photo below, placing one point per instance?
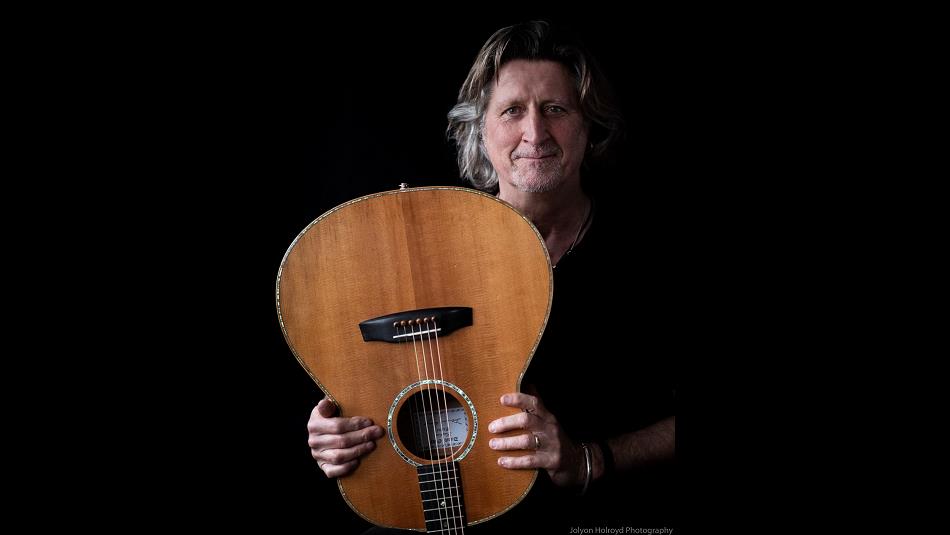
(535, 128)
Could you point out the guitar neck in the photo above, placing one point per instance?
(442, 501)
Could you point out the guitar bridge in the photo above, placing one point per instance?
(402, 326)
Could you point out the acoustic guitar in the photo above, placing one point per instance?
(419, 308)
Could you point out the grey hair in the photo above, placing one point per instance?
(536, 40)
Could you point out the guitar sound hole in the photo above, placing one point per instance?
(432, 426)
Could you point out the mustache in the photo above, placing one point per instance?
(540, 151)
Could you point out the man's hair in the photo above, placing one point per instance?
(536, 40)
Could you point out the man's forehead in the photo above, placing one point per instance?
(521, 80)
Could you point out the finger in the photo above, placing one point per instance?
(346, 440)
(326, 408)
(520, 463)
(525, 402)
(337, 470)
(516, 421)
(337, 426)
(343, 455)
(520, 442)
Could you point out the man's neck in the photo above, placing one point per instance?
(558, 214)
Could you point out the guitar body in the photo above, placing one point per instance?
(477, 277)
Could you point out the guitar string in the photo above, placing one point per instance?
(416, 428)
(449, 448)
(438, 467)
(425, 424)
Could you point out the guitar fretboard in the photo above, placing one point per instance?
(442, 501)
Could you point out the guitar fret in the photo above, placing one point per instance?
(444, 504)
(438, 482)
(439, 519)
(442, 522)
(439, 488)
(437, 474)
(436, 468)
(440, 479)
(448, 498)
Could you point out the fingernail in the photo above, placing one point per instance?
(492, 428)
(378, 432)
(372, 445)
(492, 443)
(502, 461)
(504, 399)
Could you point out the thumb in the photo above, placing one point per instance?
(326, 408)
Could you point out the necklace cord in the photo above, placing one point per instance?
(580, 229)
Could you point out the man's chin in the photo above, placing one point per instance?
(536, 183)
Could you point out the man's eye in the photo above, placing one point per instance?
(556, 109)
(514, 110)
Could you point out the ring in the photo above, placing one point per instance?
(537, 441)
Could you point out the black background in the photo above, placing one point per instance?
(266, 124)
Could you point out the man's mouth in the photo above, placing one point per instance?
(525, 157)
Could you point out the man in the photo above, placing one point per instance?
(533, 116)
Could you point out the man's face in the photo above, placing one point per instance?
(535, 133)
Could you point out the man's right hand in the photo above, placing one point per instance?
(338, 443)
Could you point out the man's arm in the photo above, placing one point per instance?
(648, 446)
